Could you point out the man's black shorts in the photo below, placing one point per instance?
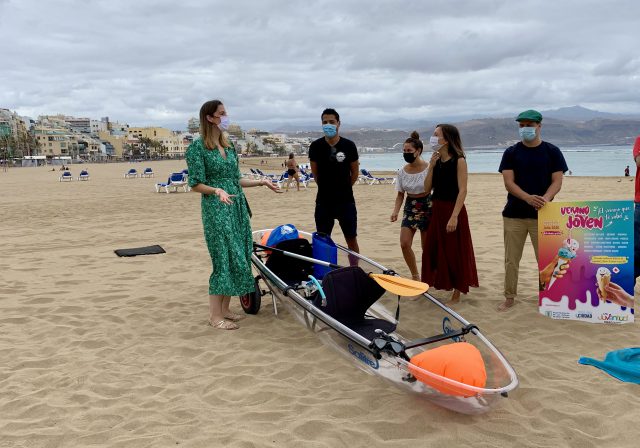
(346, 214)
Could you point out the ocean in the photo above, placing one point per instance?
(582, 160)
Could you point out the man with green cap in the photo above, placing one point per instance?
(532, 171)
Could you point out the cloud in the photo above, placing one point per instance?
(156, 62)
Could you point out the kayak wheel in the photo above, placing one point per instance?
(251, 302)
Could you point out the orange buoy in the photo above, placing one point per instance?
(459, 361)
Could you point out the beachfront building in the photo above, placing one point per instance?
(153, 133)
(116, 128)
(54, 137)
(56, 140)
(99, 125)
(107, 149)
(175, 145)
(79, 125)
(255, 145)
(90, 148)
(193, 125)
(15, 139)
(114, 144)
(8, 122)
(236, 131)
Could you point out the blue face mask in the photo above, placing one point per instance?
(527, 134)
(330, 130)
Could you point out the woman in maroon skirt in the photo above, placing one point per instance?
(447, 260)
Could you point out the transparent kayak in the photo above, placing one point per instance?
(383, 344)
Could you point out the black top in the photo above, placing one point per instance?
(532, 169)
(445, 180)
(334, 170)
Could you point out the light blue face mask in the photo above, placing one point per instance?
(527, 134)
(330, 130)
(224, 122)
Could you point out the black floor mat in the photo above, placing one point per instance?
(147, 250)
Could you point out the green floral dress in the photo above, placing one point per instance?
(227, 229)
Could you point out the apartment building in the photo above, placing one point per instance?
(153, 133)
(193, 125)
(176, 144)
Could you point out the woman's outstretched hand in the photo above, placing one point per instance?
(273, 187)
(224, 197)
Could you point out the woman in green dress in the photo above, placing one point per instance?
(213, 172)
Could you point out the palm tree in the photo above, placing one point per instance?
(7, 145)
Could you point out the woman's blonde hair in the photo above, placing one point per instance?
(210, 132)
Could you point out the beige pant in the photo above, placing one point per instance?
(515, 235)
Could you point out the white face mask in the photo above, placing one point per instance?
(434, 142)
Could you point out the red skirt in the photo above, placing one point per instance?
(447, 260)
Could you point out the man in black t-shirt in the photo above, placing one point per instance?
(532, 171)
(335, 167)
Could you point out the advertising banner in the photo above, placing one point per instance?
(585, 259)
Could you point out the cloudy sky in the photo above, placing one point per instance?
(277, 62)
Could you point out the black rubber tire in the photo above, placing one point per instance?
(250, 302)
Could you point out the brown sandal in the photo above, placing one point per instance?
(224, 325)
(234, 317)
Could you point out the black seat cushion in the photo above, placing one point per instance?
(368, 327)
(350, 292)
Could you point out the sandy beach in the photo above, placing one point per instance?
(99, 350)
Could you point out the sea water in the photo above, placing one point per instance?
(582, 160)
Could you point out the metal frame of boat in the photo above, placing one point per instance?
(385, 362)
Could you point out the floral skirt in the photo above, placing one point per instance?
(417, 213)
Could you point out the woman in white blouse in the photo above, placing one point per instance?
(417, 208)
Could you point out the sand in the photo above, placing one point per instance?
(98, 350)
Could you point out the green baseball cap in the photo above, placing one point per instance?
(530, 115)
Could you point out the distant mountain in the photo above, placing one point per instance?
(579, 113)
(571, 113)
(503, 132)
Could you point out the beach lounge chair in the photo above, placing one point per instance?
(304, 180)
(148, 172)
(310, 178)
(266, 176)
(84, 175)
(281, 180)
(369, 178)
(174, 181)
(66, 176)
(131, 173)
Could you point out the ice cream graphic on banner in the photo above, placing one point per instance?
(566, 253)
(586, 261)
(603, 276)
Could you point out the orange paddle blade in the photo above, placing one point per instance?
(399, 285)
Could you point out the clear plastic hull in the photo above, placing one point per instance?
(434, 318)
